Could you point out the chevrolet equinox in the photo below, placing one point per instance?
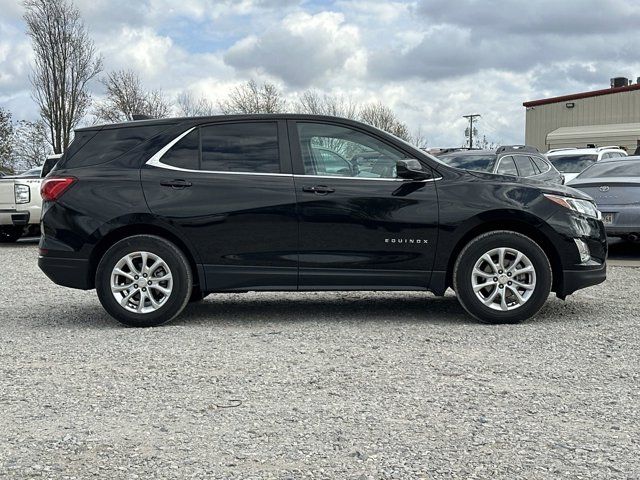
(154, 214)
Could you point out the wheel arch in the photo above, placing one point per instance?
(536, 230)
(125, 231)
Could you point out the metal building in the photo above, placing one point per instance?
(602, 117)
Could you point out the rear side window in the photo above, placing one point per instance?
(108, 144)
(541, 164)
(507, 167)
(525, 167)
(186, 153)
(240, 147)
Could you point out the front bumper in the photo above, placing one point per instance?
(574, 280)
(68, 272)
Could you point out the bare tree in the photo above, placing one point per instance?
(190, 106)
(253, 98)
(418, 139)
(382, 117)
(312, 102)
(6, 140)
(31, 147)
(126, 97)
(486, 144)
(65, 61)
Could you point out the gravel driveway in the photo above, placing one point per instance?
(316, 385)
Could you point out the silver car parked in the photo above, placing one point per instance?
(615, 187)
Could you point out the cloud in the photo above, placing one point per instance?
(432, 61)
(302, 50)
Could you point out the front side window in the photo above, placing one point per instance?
(331, 150)
(507, 167)
(240, 147)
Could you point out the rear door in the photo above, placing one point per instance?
(228, 188)
(361, 226)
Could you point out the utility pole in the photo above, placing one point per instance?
(472, 119)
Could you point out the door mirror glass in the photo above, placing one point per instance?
(411, 169)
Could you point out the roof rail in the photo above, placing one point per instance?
(562, 149)
(617, 147)
(517, 148)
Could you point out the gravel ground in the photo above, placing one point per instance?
(317, 385)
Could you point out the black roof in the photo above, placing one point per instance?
(216, 118)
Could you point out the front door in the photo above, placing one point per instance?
(228, 189)
(361, 227)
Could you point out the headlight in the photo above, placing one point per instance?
(585, 207)
(22, 193)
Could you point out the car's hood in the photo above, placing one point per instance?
(543, 186)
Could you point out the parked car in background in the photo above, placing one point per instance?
(615, 187)
(21, 203)
(154, 214)
(515, 160)
(571, 161)
(35, 172)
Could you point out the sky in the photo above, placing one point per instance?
(432, 61)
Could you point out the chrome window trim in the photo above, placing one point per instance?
(156, 161)
(368, 178)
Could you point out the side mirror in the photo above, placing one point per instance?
(411, 169)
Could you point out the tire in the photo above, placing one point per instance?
(10, 233)
(164, 298)
(522, 301)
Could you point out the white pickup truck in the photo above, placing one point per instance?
(20, 203)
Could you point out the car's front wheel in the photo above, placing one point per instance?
(502, 277)
(144, 281)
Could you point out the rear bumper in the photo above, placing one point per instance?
(616, 230)
(68, 272)
(574, 280)
(13, 217)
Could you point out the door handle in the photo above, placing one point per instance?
(176, 184)
(318, 189)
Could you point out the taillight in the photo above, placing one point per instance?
(53, 188)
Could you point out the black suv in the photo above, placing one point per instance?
(154, 214)
(514, 160)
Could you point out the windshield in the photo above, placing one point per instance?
(34, 172)
(611, 169)
(572, 163)
(481, 163)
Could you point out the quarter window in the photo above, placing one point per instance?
(525, 167)
(339, 151)
(185, 154)
(240, 147)
(507, 167)
(541, 164)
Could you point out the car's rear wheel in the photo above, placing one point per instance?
(502, 277)
(10, 233)
(144, 281)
